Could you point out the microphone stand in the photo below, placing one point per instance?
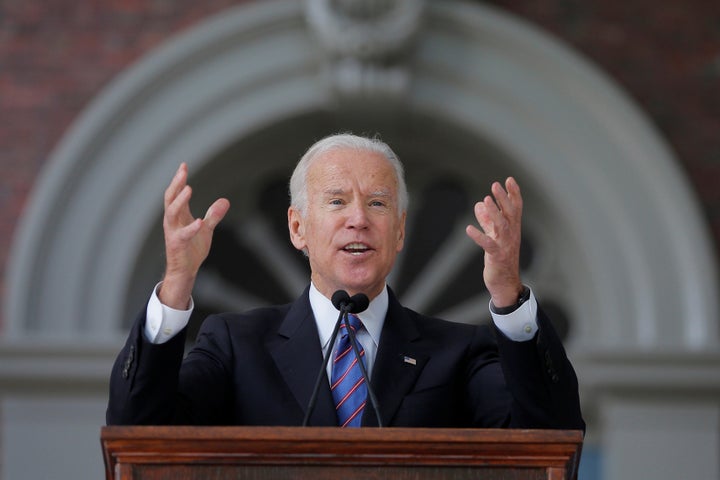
(323, 369)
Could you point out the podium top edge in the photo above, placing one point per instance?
(388, 434)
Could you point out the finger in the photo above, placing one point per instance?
(480, 238)
(177, 213)
(483, 217)
(509, 201)
(514, 195)
(490, 216)
(176, 184)
(501, 198)
(475, 234)
(187, 232)
(512, 187)
(216, 213)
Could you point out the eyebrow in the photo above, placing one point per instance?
(377, 193)
(381, 193)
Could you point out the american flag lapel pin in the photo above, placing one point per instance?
(409, 360)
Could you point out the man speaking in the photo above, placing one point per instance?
(384, 364)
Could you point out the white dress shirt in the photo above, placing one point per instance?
(373, 318)
(162, 322)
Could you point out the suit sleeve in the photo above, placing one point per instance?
(540, 379)
(143, 381)
(150, 384)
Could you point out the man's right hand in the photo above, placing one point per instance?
(187, 240)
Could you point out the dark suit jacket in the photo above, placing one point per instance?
(259, 368)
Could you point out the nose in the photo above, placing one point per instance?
(357, 216)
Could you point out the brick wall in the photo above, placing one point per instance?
(56, 55)
(666, 55)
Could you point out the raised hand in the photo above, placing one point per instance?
(187, 240)
(500, 220)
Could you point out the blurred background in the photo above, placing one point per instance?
(607, 113)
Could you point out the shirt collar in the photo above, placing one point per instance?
(326, 315)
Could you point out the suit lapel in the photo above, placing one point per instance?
(398, 363)
(299, 362)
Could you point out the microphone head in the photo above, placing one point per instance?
(358, 303)
(340, 299)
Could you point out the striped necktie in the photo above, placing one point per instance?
(348, 385)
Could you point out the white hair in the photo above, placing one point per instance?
(298, 180)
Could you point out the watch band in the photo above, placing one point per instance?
(522, 298)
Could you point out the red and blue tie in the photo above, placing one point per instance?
(348, 385)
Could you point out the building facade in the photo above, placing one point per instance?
(607, 115)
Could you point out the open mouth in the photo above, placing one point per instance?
(356, 248)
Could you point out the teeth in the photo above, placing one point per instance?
(356, 247)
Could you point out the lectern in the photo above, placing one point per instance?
(320, 453)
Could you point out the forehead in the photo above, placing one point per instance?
(341, 166)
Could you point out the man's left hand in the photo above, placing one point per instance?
(500, 219)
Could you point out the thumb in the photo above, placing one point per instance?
(216, 212)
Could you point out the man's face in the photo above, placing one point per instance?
(352, 229)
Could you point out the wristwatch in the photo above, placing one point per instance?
(522, 298)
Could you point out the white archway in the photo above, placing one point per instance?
(639, 250)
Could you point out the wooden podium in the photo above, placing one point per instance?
(320, 453)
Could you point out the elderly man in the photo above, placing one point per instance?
(347, 214)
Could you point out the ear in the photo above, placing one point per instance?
(296, 226)
(401, 233)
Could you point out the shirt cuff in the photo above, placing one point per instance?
(521, 324)
(162, 322)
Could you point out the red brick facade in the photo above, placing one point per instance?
(666, 55)
(56, 55)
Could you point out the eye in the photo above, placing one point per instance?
(335, 201)
(377, 203)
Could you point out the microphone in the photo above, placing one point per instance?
(346, 304)
(355, 304)
(340, 299)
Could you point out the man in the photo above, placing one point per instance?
(347, 214)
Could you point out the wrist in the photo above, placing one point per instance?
(176, 292)
(509, 301)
